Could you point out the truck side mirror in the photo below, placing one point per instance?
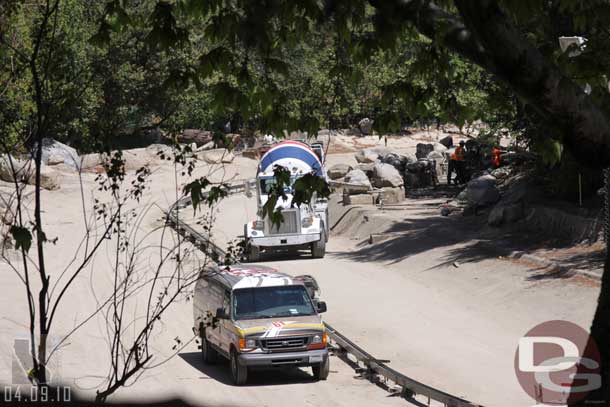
(221, 313)
(321, 307)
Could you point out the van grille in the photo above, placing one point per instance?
(288, 226)
(288, 343)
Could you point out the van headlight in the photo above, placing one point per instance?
(247, 343)
(318, 341)
(257, 225)
(307, 221)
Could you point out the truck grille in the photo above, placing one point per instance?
(282, 344)
(290, 224)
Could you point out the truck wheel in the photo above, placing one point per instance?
(239, 373)
(208, 353)
(320, 372)
(254, 253)
(318, 249)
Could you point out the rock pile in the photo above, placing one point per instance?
(200, 137)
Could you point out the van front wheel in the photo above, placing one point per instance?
(208, 353)
(320, 372)
(239, 373)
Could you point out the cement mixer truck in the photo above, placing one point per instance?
(303, 228)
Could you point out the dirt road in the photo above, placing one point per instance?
(455, 328)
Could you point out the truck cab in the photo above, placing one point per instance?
(304, 227)
(257, 317)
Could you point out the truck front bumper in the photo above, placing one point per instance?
(303, 358)
(285, 240)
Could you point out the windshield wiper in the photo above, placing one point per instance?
(255, 316)
(291, 314)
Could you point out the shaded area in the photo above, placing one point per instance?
(468, 239)
(221, 372)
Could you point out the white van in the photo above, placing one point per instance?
(258, 317)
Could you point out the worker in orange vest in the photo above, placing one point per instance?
(457, 163)
(496, 158)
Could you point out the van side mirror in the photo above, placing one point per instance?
(321, 307)
(248, 189)
(221, 313)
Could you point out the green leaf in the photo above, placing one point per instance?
(277, 190)
(22, 236)
(308, 185)
(195, 189)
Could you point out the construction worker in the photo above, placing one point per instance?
(457, 164)
(496, 157)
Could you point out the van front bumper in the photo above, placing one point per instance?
(304, 358)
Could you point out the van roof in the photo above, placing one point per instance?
(250, 275)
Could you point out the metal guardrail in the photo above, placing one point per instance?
(375, 367)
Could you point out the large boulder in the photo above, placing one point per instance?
(503, 214)
(90, 162)
(200, 137)
(420, 174)
(366, 156)
(359, 179)
(136, 159)
(370, 155)
(217, 156)
(438, 158)
(398, 161)
(206, 146)
(393, 195)
(10, 165)
(339, 171)
(447, 141)
(162, 151)
(520, 189)
(385, 175)
(366, 126)
(367, 168)
(423, 149)
(26, 172)
(56, 159)
(436, 155)
(482, 191)
(49, 178)
(54, 152)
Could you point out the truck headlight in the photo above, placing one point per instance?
(318, 341)
(247, 343)
(257, 225)
(307, 221)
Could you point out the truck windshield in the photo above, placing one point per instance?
(268, 183)
(271, 302)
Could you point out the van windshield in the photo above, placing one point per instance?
(271, 302)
